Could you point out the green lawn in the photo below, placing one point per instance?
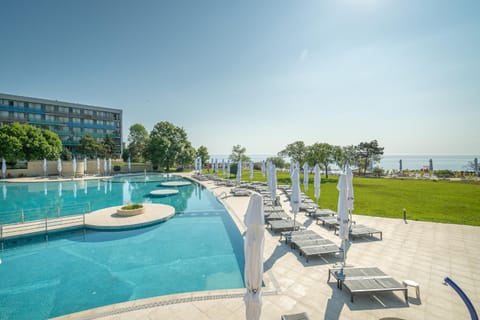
(439, 201)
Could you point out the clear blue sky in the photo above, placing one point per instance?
(261, 74)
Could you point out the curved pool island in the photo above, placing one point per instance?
(163, 192)
(175, 183)
(110, 219)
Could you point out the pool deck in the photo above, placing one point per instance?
(103, 219)
(421, 251)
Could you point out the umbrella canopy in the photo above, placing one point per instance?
(475, 165)
(98, 166)
(317, 180)
(342, 213)
(350, 197)
(400, 165)
(295, 198)
(105, 165)
(251, 170)
(430, 165)
(4, 168)
(305, 177)
(110, 165)
(85, 165)
(253, 246)
(129, 164)
(239, 171)
(59, 166)
(74, 166)
(223, 166)
(272, 178)
(228, 169)
(44, 167)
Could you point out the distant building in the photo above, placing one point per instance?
(71, 121)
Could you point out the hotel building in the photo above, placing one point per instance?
(71, 121)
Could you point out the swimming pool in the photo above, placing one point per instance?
(199, 249)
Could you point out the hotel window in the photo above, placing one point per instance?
(76, 111)
(19, 115)
(63, 119)
(49, 108)
(18, 104)
(63, 109)
(77, 129)
(32, 116)
(35, 106)
(88, 112)
(3, 114)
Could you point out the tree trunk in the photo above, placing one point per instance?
(326, 170)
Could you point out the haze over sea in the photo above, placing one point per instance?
(454, 162)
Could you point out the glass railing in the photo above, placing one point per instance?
(20, 109)
(49, 122)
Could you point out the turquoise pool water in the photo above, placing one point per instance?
(199, 249)
(40, 198)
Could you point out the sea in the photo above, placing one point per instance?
(453, 162)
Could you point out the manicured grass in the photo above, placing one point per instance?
(438, 201)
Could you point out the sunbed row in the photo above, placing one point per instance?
(365, 280)
(310, 243)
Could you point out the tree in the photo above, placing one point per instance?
(296, 151)
(54, 142)
(165, 144)
(125, 154)
(137, 142)
(36, 143)
(472, 165)
(238, 153)
(366, 152)
(321, 153)
(108, 146)
(277, 161)
(348, 154)
(10, 148)
(187, 155)
(202, 152)
(90, 147)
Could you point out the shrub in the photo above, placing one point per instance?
(378, 172)
(116, 168)
(179, 170)
(444, 173)
(132, 206)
